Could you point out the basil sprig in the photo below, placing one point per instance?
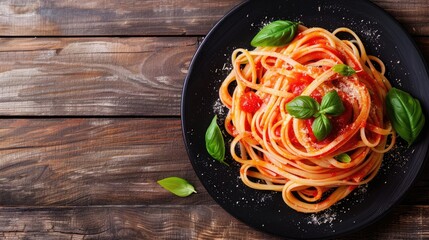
(177, 186)
(277, 33)
(215, 143)
(305, 107)
(343, 69)
(405, 114)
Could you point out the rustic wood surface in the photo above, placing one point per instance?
(85, 89)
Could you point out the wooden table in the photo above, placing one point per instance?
(85, 89)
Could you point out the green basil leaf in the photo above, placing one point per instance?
(302, 107)
(321, 127)
(343, 70)
(277, 33)
(405, 114)
(178, 186)
(215, 143)
(332, 104)
(343, 157)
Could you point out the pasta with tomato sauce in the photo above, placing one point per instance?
(318, 160)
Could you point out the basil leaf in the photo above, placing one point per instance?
(215, 144)
(332, 104)
(321, 127)
(343, 157)
(277, 33)
(178, 186)
(343, 69)
(405, 113)
(302, 107)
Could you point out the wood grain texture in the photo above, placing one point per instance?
(175, 222)
(102, 161)
(412, 14)
(144, 222)
(162, 17)
(92, 162)
(93, 76)
(110, 17)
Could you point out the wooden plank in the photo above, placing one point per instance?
(92, 161)
(412, 14)
(93, 76)
(79, 162)
(110, 17)
(121, 17)
(97, 76)
(147, 222)
(175, 222)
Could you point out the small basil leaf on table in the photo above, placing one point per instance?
(215, 143)
(321, 127)
(177, 186)
(277, 33)
(302, 107)
(332, 104)
(405, 114)
(343, 70)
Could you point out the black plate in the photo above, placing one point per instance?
(382, 36)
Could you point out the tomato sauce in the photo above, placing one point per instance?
(299, 82)
(250, 102)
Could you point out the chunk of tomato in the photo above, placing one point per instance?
(250, 102)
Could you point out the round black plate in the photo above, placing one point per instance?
(382, 36)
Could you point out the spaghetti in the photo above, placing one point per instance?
(279, 152)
